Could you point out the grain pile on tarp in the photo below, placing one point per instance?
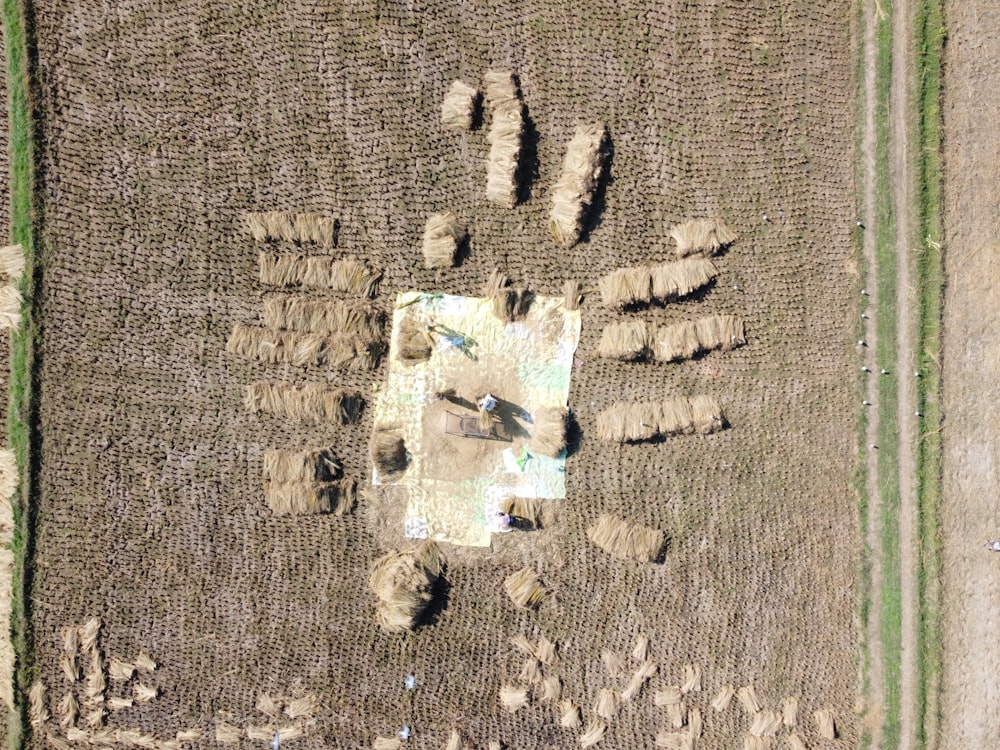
(509, 304)
(307, 315)
(548, 433)
(302, 349)
(635, 421)
(310, 402)
(701, 237)
(672, 281)
(524, 588)
(572, 195)
(292, 227)
(626, 286)
(459, 106)
(627, 340)
(441, 236)
(403, 582)
(505, 136)
(305, 482)
(319, 271)
(690, 338)
(627, 540)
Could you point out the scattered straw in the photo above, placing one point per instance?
(627, 540)
(825, 724)
(69, 711)
(531, 672)
(627, 340)
(640, 651)
(524, 588)
(309, 403)
(145, 693)
(672, 281)
(625, 287)
(685, 340)
(643, 420)
(747, 697)
(318, 271)
(117, 704)
(701, 237)
(674, 740)
(582, 169)
(291, 227)
(722, 699)
(512, 697)
(614, 663)
(606, 705)
(302, 349)
(765, 724)
(569, 714)
(504, 137)
(119, 670)
(459, 106)
(403, 582)
(387, 743)
(692, 679)
(572, 295)
(548, 433)
(794, 742)
(638, 679)
(551, 689)
(304, 707)
(593, 734)
(227, 734)
(442, 233)
(790, 711)
(307, 315)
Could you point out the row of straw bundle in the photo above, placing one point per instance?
(292, 227)
(582, 168)
(460, 106)
(301, 498)
(637, 421)
(505, 137)
(307, 315)
(302, 349)
(625, 539)
(311, 465)
(311, 402)
(626, 287)
(9, 479)
(441, 236)
(701, 237)
(632, 340)
(403, 582)
(318, 271)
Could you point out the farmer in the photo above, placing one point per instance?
(502, 522)
(488, 402)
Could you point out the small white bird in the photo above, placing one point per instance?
(860, 225)
(916, 374)
(884, 371)
(404, 733)
(866, 403)
(276, 742)
(864, 316)
(764, 217)
(873, 446)
(864, 292)
(861, 342)
(918, 414)
(865, 369)
(410, 682)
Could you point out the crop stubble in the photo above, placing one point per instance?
(163, 125)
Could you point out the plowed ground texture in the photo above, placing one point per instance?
(163, 122)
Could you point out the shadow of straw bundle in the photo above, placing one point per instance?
(524, 588)
(295, 313)
(582, 169)
(636, 421)
(309, 403)
(292, 227)
(548, 433)
(627, 540)
(302, 349)
(319, 271)
(458, 108)
(627, 340)
(701, 237)
(509, 304)
(441, 235)
(671, 281)
(403, 582)
(505, 136)
(626, 286)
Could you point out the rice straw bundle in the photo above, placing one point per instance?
(403, 582)
(56, 742)
(753, 742)
(301, 349)
(75, 734)
(291, 732)
(387, 743)
(606, 705)
(637, 421)
(261, 732)
(747, 697)
(526, 510)
(144, 663)
(69, 711)
(117, 704)
(625, 287)
(268, 706)
(614, 663)
(531, 672)
(454, 741)
(388, 454)
(548, 433)
(513, 698)
(546, 651)
(640, 652)
(12, 261)
(94, 679)
(523, 644)
(572, 295)
(10, 306)
(638, 679)
(569, 714)
(694, 722)
(765, 724)
(790, 711)
(676, 714)
(701, 237)
(593, 734)
(145, 693)
(306, 315)
(310, 402)
(627, 540)
(674, 740)
(292, 227)
(685, 340)
(188, 735)
(692, 679)
(227, 734)
(95, 718)
(721, 700)
(572, 195)
(318, 271)
(304, 707)
(119, 670)
(509, 304)
(504, 137)
(524, 588)
(310, 465)
(825, 724)
(441, 235)
(309, 498)
(459, 106)
(627, 340)
(795, 742)
(672, 281)
(668, 696)
(69, 667)
(38, 712)
(414, 343)
(551, 689)
(88, 635)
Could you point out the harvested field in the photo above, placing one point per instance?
(165, 124)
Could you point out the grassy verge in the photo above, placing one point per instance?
(21, 417)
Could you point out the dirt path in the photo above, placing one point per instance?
(970, 514)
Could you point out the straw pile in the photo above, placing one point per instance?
(309, 403)
(825, 724)
(701, 237)
(509, 304)
(627, 540)
(624, 287)
(459, 106)
(765, 724)
(296, 313)
(10, 306)
(548, 433)
(441, 235)
(302, 349)
(722, 699)
(685, 340)
(403, 582)
(582, 169)
(12, 261)
(627, 340)
(292, 227)
(675, 280)
(305, 482)
(388, 454)
(506, 133)
(637, 421)
(524, 588)
(319, 271)
(593, 734)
